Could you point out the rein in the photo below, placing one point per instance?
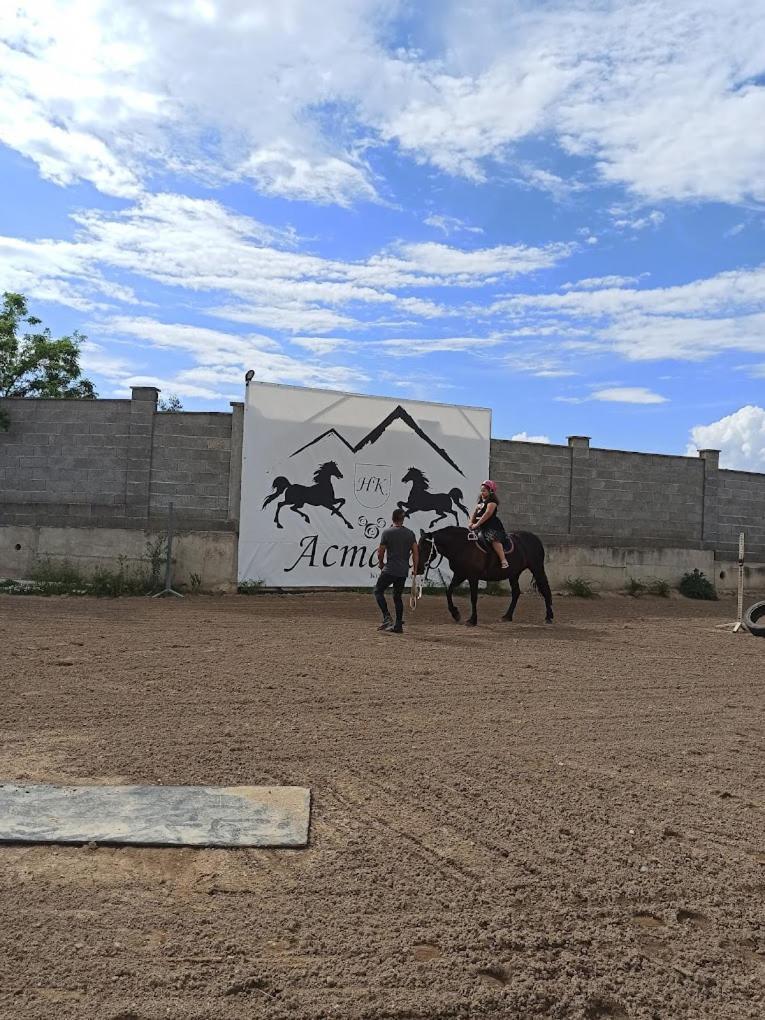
(417, 584)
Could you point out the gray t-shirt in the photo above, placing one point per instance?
(398, 543)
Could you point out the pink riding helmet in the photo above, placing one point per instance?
(491, 486)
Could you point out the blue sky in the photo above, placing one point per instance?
(554, 210)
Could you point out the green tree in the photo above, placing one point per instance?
(33, 363)
(170, 403)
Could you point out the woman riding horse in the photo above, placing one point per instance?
(486, 522)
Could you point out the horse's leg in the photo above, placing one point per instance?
(441, 517)
(279, 509)
(336, 512)
(473, 602)
(516, 590)
(300, 513)
(544, 589)
(455, 582)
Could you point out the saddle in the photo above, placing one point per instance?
(475, 536)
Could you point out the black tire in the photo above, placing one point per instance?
(754, 619)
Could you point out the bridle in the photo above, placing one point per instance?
(419, 584)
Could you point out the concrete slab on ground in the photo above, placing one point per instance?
(209, 816)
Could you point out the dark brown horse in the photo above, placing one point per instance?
(469, 562)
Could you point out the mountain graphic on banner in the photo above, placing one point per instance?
(398, 414)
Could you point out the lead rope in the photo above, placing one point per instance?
(417, 584)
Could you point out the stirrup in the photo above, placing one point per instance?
(472, 536)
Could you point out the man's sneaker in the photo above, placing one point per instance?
(386, 625)
(397, 629)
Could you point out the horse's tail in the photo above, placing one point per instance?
(534, 555)
(457, 497)
(280, 484)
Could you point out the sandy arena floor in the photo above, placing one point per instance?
(517, 821)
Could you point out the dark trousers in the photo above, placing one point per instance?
(384, 581)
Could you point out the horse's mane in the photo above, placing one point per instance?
(323, 470)
(423, 479)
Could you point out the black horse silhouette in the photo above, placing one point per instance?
(469, 562)
(320, 494)
(421, 498)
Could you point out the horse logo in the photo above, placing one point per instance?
(421, 498)
(321, 493)
(371, 485)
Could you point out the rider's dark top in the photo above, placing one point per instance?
(493, 530)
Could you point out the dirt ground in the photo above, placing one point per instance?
(516, 821)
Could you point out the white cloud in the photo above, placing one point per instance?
(96, 360)
(740, 438)
(327, 179)
(223, 89)
(223, 357)
(628, 395)
(451, 225)
(601, 282)
(402, 348)
(688, 322)
(661, 96)
(430, 263)
(255, 273)
(524, 437)
(537, 362)
(324, 344)
(652, 219)
(213, 345)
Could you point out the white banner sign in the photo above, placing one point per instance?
(322, 473)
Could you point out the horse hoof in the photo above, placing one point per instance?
(470, 623)
(548, 620)
(506, 619)
(456, 617)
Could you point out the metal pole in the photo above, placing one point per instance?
(169, 560)
(168, 589)
(740, 614)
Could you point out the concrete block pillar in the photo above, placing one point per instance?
(710, 494)
(143, 407)
(235, 465)
(579, 487)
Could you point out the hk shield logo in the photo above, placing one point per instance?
(371, 485)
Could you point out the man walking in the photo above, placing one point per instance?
(396, 545)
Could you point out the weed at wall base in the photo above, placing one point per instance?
(579, 587)
(64, 578)
(654, 586)
(696, 585)
(250, 587)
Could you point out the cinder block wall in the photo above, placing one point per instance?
(580, 495)
(190, 465)
(90, 482)
(741, 507)
(88, 470)
(535, 486)
(633, 496)
(64, 459)
(117, 463)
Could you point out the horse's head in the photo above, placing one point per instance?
(328, 470)
(415, 475)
